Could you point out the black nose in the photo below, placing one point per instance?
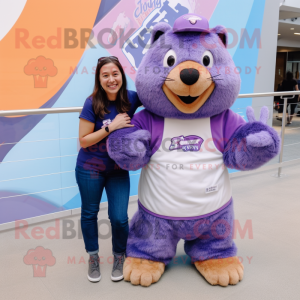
(189, 76)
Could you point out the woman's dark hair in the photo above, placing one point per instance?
(289, 76)
(100, 101)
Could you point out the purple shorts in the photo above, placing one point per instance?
(155, 238)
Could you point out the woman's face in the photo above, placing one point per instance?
(111, 80)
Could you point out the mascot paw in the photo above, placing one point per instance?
(259, 139)
(221, 271)
(142, 271)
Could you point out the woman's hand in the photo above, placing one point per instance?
(120, 121)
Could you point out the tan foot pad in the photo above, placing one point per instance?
(142, 271)
(222, 271)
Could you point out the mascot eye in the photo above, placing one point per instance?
(207, 59)
(170, 58)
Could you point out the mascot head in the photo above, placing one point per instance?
(187, 72)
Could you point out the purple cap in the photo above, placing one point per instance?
(191, 22)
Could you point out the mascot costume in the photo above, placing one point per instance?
(184, 140)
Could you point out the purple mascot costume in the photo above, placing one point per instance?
(184, 140)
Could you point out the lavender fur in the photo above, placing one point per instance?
(253, 144)
(155, 238)
(260, 139)
(264, 114)
(263, 138)
(149, 81)
(130, 148)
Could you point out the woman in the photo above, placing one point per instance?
(289, 84)
(108, 108)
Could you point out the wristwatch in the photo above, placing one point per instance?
(106, 129)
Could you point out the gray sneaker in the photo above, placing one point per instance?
(117, 271)
(94, 274)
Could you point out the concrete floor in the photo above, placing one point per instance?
(271, 258)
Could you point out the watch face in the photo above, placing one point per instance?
(107, 129)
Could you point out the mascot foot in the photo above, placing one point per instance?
(222, 271)
(142, 271)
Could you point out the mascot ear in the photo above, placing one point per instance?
(222, 33)
(158, 30)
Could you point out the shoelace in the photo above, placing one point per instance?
(118, 262)
(94, 264)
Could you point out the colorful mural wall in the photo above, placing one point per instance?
(49, 51)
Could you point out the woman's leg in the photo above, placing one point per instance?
(91, 186)
(293, 107)
(117, 188)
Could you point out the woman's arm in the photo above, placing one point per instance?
(87, 136)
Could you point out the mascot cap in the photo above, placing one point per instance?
(191, 22)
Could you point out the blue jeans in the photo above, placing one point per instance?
(117, 188)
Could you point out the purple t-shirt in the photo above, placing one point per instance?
(96, 157)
